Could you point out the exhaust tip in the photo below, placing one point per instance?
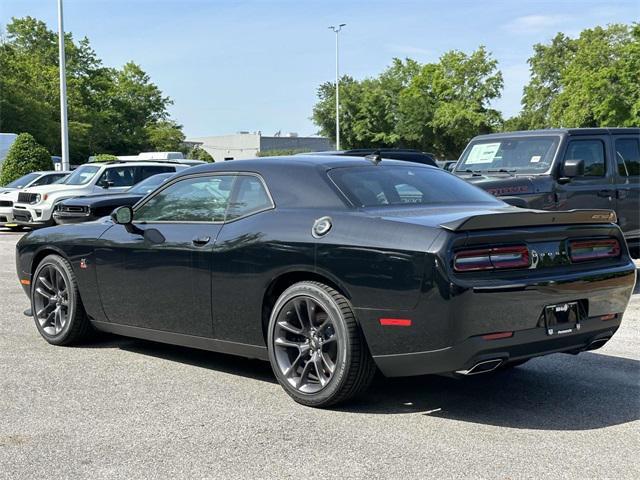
(485, 366)
(597, 343)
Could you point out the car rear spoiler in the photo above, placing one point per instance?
(530, 218)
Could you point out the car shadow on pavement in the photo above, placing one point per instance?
(246, 367)
(557, 392)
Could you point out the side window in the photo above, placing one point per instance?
(117, 177)
(146, 172)
(591, 152)
(250, 197)
(628, 156)
(46, 180)
(200, 199)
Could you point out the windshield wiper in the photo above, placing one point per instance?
(475, 173)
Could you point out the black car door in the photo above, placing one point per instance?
(595, 189)
(627, 152)
(156, 273)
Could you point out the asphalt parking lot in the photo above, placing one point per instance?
(123, 408)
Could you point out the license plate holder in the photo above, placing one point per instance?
(562, 318)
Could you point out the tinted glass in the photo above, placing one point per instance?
(201, 199)
(518, 154)
(49, 179)
(23, 181)
(250, 197)
(146, 172)
(150, 184)
(82, 175)
(591, 152)
(396, 185)
(118, 176)
(628, 157)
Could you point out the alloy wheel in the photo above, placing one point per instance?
(306, 344)
(51, 300)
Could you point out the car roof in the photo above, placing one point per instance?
(141, 163)
(326, 162)
(562, 131)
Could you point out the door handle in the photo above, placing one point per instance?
(200, 241)
(607, 193)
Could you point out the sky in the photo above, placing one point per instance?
(256, 65)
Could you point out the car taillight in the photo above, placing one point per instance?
(493, 258)
(585, 250)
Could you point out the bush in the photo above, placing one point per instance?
(103, 157)
(198, 153)
(25, 156)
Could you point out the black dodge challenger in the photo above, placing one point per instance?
(330, 267)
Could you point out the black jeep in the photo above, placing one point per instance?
(561, 169)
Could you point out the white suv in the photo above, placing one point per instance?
(35, 205)
(9, 193)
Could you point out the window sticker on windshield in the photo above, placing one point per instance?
(536, 158)
(483, 153)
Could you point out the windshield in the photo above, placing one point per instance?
(23, 181)
(514, 154)
(82, 175)
(150, 184)
(398, 185)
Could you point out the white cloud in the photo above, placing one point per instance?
(535, 23)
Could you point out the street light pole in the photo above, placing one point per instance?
(337, 31)
(64, 126)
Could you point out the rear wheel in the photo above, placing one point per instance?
(55, 303)
(316, 348)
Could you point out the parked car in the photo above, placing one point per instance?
(34, 206)
(406, 154)
(331, 266)
(9, 193)
(98, 205)
(561, 169)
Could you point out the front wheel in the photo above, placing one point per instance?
(316, 348)
(55, 303)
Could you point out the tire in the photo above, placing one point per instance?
(55, 303)
(316, 348)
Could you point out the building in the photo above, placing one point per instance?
(244, 145)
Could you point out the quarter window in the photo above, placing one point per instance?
(628, 157)
(200, 199)
(250, 197)
(146, 172)
(591, 152)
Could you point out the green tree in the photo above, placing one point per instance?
(199, 153)
(435, 107)
(589, 81)
(119, 111)
(165, 136)
(104, 157)
(25, 156)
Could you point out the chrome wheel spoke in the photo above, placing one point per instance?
(328, 363)
(281, 342)
(304, 375)
(290, 328)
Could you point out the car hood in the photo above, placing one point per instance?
(102, 199)
(502, 185)
(5, 190)
(53, 188)
(9, 194)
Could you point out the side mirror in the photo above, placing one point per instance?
(106, 184)
(573, 168)
(122, 215)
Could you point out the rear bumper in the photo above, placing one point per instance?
(523, 345)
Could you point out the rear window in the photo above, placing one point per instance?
(377, 186)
